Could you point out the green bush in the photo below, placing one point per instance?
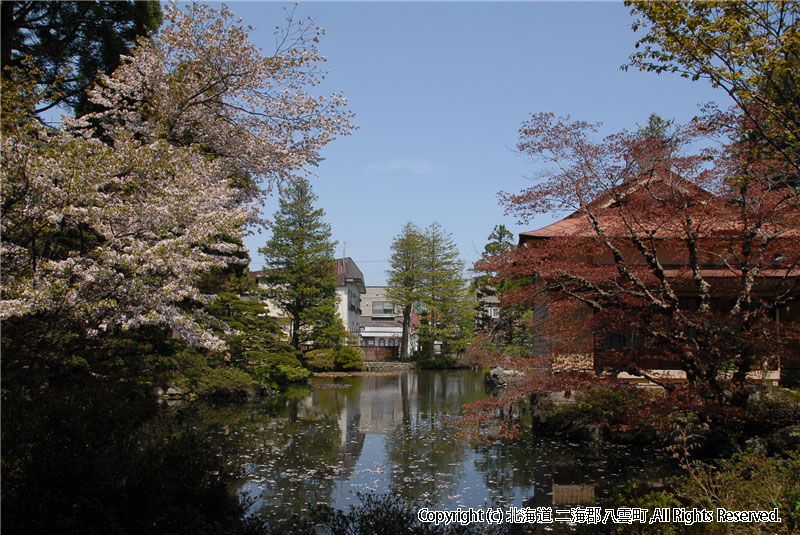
(621, 413)
(320, 360)
(349, 359)
(280, 369)
(773, 408)
(427, 361)
(224, 383)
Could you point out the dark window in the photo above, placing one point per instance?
(688, 303)
(616, 341)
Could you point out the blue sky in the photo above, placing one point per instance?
(440, 90)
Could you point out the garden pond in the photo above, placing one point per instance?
(326, 442)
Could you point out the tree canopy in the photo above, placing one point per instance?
(670, 268)
(405, 276)
(500, 242)
(70, 43)
(300, 271)
(446, 310)
(113, 232)
(751, 50)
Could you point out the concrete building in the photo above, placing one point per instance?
(349, 288)
(382, 326)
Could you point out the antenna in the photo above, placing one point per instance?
(344, 247)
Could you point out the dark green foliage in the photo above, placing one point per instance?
(772, 409)
(447, 307)
(346, 359)
(349, 359)
(501, 240)
(404, 277)
(76, 460)
(619, 413)
(427, 275)
(320, 360)
(275, 369)
(748, 481)
(328, 331)
(248, 327)
(70, 42)
(300, 274)
(427, 361)
(39, 347)
(224, 383)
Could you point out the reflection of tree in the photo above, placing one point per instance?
(444, 393)
(507, 466)
(547, 467)
(425, 461)
(426, 457)
(304, 447)
(289, 451)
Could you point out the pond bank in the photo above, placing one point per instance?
(387, 366)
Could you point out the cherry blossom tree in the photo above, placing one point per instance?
(109, 221)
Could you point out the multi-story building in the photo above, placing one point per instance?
(381, 321)
(349, 288)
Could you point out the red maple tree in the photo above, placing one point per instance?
(675, 264)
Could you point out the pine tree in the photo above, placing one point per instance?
(446, 307)
(72, 42)
(301, 274)
(405, 277)
(501, 240)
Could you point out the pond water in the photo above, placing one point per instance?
(393, 433)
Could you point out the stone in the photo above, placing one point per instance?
(495, 378)
(174, 392)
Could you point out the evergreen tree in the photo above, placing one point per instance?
(501, 240)
(405, 277)
(444, 298)
(71, 42)
(656, 143)
(300, 270)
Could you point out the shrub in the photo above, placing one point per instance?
(431, 362)
(224, 383)
(620, 413)
(280, 369)
(320, 360)
(349, 359)
(747, 481)
(774, 407)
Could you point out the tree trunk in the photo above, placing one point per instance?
(405, 353)
(296, 332)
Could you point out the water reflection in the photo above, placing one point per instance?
(391, 433)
